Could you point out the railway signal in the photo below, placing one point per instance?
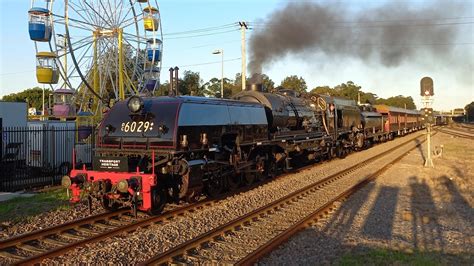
(427, 115)
(427, 93)
(426, 87)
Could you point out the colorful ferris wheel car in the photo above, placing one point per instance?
(46, 68)
(39, 24)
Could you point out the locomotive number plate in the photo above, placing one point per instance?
(140, 126)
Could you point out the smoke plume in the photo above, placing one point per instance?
(389, 34)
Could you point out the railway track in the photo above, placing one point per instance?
(279, 219)
(36, 246)
(457, 133)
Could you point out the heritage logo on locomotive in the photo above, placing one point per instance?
(110, 163)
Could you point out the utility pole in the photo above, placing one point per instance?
(243, 28)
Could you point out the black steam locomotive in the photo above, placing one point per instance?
(151, 151)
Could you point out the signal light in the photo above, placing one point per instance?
(427, 115)
(426, 87)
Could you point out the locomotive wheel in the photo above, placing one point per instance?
(214, 185)
(234, 181)
(249, 178)
(158, 201)
(261, 173)
(340, 152)
(106, 204)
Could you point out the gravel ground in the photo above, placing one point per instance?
(409, 209)
(45, 220)
(242, 242)
(142, 244)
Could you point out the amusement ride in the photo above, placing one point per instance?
(93, 53)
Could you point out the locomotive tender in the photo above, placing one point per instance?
(154, 150)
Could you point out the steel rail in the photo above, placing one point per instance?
(182, 249)
(457, 133)
(166, 216)
(284, 236)
(39, 234)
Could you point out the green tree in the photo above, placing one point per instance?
(294, 83)
(212, 88)
(470, 111)
(268, 83)
(324, 90)
(33, 96)
(191, 84)
(398, 101)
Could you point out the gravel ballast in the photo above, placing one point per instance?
(409, 209)
(142, 244)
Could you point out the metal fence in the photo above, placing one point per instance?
(40, 154)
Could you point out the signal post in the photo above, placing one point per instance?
(427, 93)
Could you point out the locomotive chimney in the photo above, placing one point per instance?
(177, 79)
(255, 83)
(171, 82)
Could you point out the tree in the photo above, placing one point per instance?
(294, 83)
(347, 90)
(268, 83)
(212, 88)
(33, 96)
(398, 101)
(191, 84)
(324, 90)
(470, 111)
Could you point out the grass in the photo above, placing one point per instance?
(22, 208)
(393, 257)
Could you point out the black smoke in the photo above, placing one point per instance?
(389, 34)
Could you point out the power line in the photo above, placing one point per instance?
(207, 63)
(200, 35)
(16, 73)
(208, 29)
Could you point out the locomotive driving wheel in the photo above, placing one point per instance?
(234, 181)
(158, 200)
(260, 169)
(214, 184)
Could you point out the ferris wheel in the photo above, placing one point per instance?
(100, 51)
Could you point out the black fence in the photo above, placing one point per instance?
(40, 154)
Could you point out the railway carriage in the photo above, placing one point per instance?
(399, 121)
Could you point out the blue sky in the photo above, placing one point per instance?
(454, 87)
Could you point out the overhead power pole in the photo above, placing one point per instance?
(243, 28)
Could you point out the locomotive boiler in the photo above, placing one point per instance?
(154, 150)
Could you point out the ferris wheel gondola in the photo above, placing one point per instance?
(102, 50)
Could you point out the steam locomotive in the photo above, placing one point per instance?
(155, 150)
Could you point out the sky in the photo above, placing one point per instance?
(453, 75)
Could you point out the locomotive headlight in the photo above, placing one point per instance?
(122, 186)
(135, 104)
